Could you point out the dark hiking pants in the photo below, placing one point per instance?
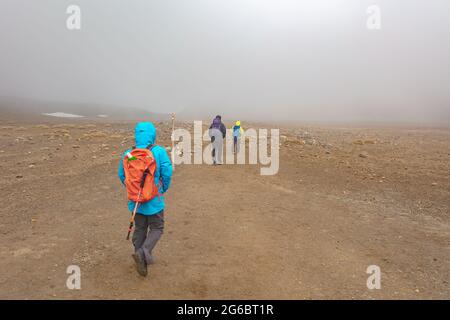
(236, 144)
(148, 230)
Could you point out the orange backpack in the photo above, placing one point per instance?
(140, 166)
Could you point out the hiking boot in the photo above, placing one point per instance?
(141, 265)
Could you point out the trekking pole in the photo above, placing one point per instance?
(133, 215)
(137, 204)
(173, 142)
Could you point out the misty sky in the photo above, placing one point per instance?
(248, 59)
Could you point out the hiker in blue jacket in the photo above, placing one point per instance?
(149, 219)
(237, 133)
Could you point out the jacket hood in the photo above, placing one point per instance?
(144, 134)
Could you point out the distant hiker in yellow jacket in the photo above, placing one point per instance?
(237, 132)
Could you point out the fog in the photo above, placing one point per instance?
(247, 59)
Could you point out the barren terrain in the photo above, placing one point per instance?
(344, 198)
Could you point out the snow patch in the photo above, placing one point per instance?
(63, 115)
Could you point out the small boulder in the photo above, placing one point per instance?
(364, 154)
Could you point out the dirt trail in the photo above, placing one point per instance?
(230, 233)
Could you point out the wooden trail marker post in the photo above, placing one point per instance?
(173, 142)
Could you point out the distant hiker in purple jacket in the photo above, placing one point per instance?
(217, 132)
